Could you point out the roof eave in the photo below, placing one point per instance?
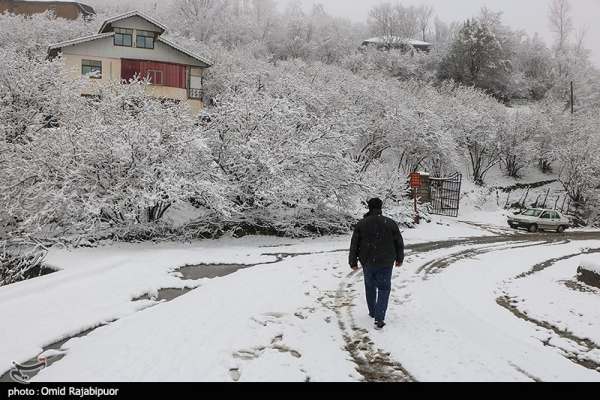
(60, 45)
(130, 14)
(206, 61)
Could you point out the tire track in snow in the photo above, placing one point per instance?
(548, 263)
(438, 265)
(507, 303)
(508, 243)
(374, 364)
(587, 345)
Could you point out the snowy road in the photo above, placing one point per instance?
(495, 306)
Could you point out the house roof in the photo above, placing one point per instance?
(130, 14)
(80, 40)
(202, 59)
(86, 10)
(396, 39)
(83, 8)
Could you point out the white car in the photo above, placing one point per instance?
(536, 219)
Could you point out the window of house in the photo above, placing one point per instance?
(155, 77)
(123, 37)
(91, 68)
(144, 39)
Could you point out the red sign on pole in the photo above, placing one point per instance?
(415, 180)
(415, 183)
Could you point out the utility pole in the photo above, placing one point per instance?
(572, 98)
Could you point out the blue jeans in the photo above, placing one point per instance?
(378, 285)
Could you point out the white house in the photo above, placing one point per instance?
(130, 45)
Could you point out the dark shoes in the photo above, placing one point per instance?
(378, 324)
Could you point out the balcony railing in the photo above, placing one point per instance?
(194, 93)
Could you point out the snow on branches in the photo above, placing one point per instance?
(301, 127)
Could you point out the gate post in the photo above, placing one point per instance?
(417, 216)
(415, 183)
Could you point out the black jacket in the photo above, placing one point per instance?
(376, 242)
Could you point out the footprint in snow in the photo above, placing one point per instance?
(274, 314)
(235, 374)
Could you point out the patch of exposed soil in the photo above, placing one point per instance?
(577, 286)
(533, 185)
(588, 277)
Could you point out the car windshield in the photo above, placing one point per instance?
(532, 213)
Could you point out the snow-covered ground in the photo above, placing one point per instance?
(462, 309)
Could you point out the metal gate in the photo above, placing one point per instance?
(445, 195)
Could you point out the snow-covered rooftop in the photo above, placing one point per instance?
(84, 39)
(130, 14)
(396, 39)
(203, 59)
(85, 9)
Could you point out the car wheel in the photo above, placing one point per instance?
(561, 229)
(533, 228)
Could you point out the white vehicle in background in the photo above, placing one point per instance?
(537, 219)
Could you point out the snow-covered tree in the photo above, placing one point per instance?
(424, 20)
(391, 21)
(122, 158)
(481, 56)
(576, 152)
(535, 62)
(33, 34)
(561, 22)
(516, 142)
(283, 149)
(477, 122)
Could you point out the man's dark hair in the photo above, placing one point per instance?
(375, 204)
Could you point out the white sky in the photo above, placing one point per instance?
(528, 15)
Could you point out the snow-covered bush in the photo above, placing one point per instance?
(516, 142)
(576, 151)
(121, 158)
(283, 150)
(20, 263)
(33, 92)
(394, 63)
(302, 127)
(31, 35)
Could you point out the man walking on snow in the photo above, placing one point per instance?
(378, 244)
